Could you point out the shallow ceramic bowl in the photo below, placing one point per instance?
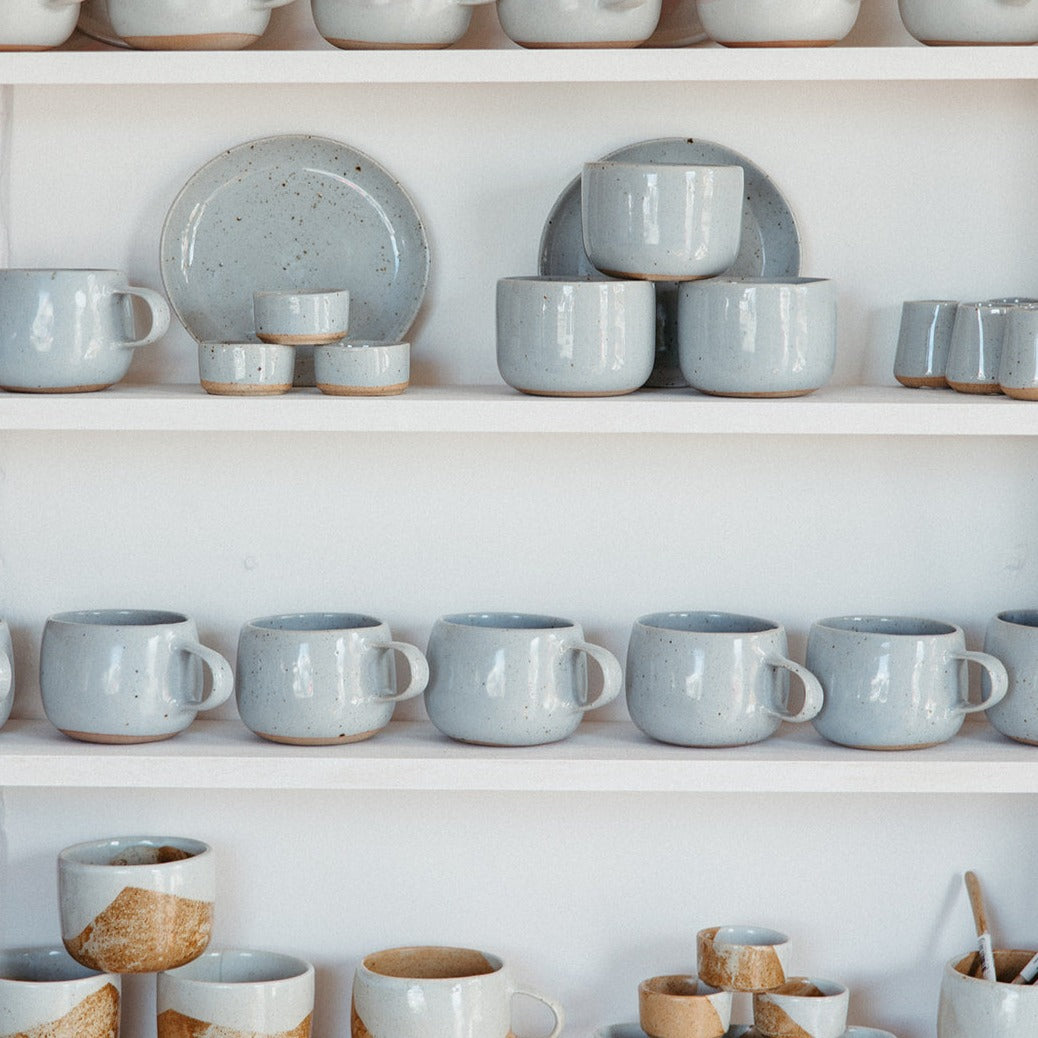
(742, 958)
(951, 22)
(245, 368)
(579, 23)
(971, 1006)
(198, 25)
(398, 24)
(36, 24)
(306, 318)
(802, 1007)
(778, 23)
(678, 1006)
(363, 368)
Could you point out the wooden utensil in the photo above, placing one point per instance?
(987, 956)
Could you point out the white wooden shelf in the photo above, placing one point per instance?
(109, 65)
(608, 757)
(847, 410)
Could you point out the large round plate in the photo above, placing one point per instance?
(293, 213)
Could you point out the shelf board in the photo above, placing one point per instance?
(846, 410)
(109, 65)
(609, 757)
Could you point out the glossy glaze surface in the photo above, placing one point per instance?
(360, 368)
(199, 24)
(742, 958)
(245, 368)
(970, 1006)
(1012, 637)
(7, 686)
(396, 23)
(923, 341)
(975, 353)
(971, 21)
(678, 1006)
(783, 1013)
(36, 24)
(1018, 365)
(746, 23)
(580, 23)
(301, 318)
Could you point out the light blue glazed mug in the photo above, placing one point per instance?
(923, 341)
(1012, 637)
(6, 673)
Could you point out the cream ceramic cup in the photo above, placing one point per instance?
(314, 679)
(199, 25)
(363, 367)
(1018, 365)
(301, 318)
(6, 673)
(742, 958)
(661, 221)
(127, 675)
(579, 23)
(975, 353)
(429, 992)
(237, 994)
(513, 679)
(778, 23)
(44, 993)
(971, 1006)
(923, 341)
(1012, 637)
(136, 904)
(937, 22)
(677, 1006)
(393, 24)
(37, 24)
(245, 368)
(895, 682)
(802, 1007)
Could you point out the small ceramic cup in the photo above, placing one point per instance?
(428, 992)
(245, 368)
(1018, 366)
(237, 994)
(971, 1006)
(363, 367)
(43, 992)
(393, 24)
(923, 341)
(681, 1007)
(175, 25)
(975, 353)
(301, 318)
(575, 336)
(1012, 637)
(579, 23)
(742, 958)
(36, 25)
(942, 22)
(778, 23)
(136, 904)
(661, 221)
(713, 679)
(315, 679)
(757, 337)
(895, 682)
(155, 690)
(802, 1007)
(6, 673)
(513, 679)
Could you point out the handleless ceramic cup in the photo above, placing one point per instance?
(895, 682)
(975, 353)
(1018, 365)
(245, 368)
(661, 221)
(301, 318)
(923, 341)
(940, 22)
(126, 675)
(742, 958)
(802, 1007)
(205, 25)
(778, 23)
(37, 24)
(575, 336)
(429, 992)
(393, 24)
(757, 337)
(363, 367)
(971, 1006)
(513, 679)
(70, 331)
(237, 994)
(6, 673)
(681, 1007)
(312, 679)
(1012, 637)
(713, 679)
(136, 904)
(579, 23)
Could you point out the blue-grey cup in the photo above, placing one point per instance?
(1018, 366)
(6, 673)
(1012, 637)
(975, 354)
(713, 679)
(315, 679)
(923, 341)
(245, 368)
(512, 679)
(363, 367)
(895, 682)
(301, 318)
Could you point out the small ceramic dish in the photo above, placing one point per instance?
(802, 1007)
(308, 318)
(245, 368)
(363, 368)
(956, 22)
(37, 24)
(742, 958)
(393, 24)
(778, 23)
(678, 1006)
(579, 23)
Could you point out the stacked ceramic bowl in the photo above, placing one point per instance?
(778, 23)
(970, 22)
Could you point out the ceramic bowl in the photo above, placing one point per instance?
(661, 221)
(579, 23)
(949, 22)
(575, 336)
(778, 23)
(802, 1007)
(245, 368)
(742, 958)
(363, 368)
(301, 318)
(678, 1006)
(396, 24)
(36, 24)
(175, 25)
(136, 904)
(971, 1006)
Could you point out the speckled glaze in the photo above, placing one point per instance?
(678, 1006)
(895, 682)
(712, 679)
(679, 25)
(938, 22)
(575, 337)
(778, 23)
(975, 353)
(1012, 637)
(155, 691)
(414, 24)
(757, 337)
(293, 213)
(742, 958)
(430, 992)
(512, 679)
(36, 24)
(245, 368)
(579, 23)
(923, 341)
(6, 675)
(139, 917)
(1018, 365)
(190, 24)
(786, 1013)
(661, 221)
(301, 318)
(359, 368)
(970, 1006)
(237, 994)
(769, 243)
(321, 678)
(70, 331)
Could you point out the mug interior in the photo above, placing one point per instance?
(708, 623)
(432, 963)
(315, 622)
(750, 935)
(120, 617)
(903, 626)
(241, 967)
(1021, 617)
(41, 966)
(678, 986)
(508, 621)
(143, 848)
(822, 988)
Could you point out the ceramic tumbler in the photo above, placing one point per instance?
(923, 341)
(1018, 367)
(975, 353)
(1012, 637)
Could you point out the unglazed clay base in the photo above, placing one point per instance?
(299, 340)
(976, 388)
(977, 43)
(372, 45)
(288, 740)
(114, 740)
(922, 382)
(94, 388)
(24, 47)
(778, 43)
(589, 45)
(551, 392)
(1020, 394)
(205, 41)
(760, 396)
(627, 275)
(244, 389)
(334, 390)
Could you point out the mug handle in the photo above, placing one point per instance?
(219, 668)
(997, 675)
(556, 1009)
(159, 315)
(6, 676)
(419, 671)
(813, 695)
(612, 676)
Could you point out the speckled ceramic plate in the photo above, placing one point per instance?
(293, 213)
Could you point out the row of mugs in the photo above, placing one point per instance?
(518, 679)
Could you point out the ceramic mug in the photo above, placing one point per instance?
(512, 679)
(802, 1007)
(314, 679)
(363, 367)
(429, 992)
(245, 368)
(237, 994)
(301, 318)
(923, 341)
(70, 331)
(895, 682)
(396, 24)
(678, 1006)
(713, 679)
(126, 675)
(937, 22)
(971, 1006)
(1012, 637)
(175, 25)
(37, 24)
(6, 673)
(778, 23)
(579, 23)
(975, 353)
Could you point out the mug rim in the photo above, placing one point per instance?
(280, 967)
(658, 986)
(526, 622)
(828, 989)
(765, 936)
(650, 167)
(494, 961)
(118, 618)
(1026, 618)
(61, 270)
(760, 625)
(33, 954)
(860, 623)
(315, 622)
(72, 856)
